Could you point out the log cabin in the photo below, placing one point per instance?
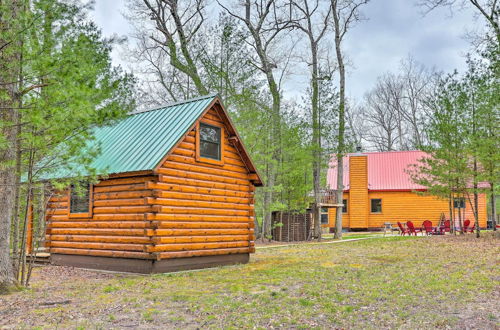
(378, 189)
(178, 194)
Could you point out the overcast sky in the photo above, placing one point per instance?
(393, 30)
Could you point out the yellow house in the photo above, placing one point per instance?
(378, 190)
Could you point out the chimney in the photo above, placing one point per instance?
(358, 189)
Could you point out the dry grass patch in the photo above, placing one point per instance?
(392, 282)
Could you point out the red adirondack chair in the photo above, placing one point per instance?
(467, 227)
(412, 228)
(403, 230)
(445, 227)
(427, 226)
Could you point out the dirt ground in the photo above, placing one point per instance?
(429, 282)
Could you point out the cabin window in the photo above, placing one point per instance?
(459, 203)
(344, 208)
(324, 216)
(210, 141)
(79, 199)
(376, 205)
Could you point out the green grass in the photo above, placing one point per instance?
(374, 283)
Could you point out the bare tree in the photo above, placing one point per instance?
(381, 115)
(345, 13)
(176, 25)
(265, 21)
(488, 9)
(313, 21)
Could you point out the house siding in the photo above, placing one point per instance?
(358, 192)
(406, 205)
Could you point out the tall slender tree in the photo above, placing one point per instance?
(313, 20)
(345, 13)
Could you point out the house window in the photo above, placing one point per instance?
(344, 208)
(79, 199)
(210, 141)
(324, 216)
(459, 203)
(376, 205)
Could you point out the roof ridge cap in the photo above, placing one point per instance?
(172, 104)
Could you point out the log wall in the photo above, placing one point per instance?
(202, 208)
(118, 226)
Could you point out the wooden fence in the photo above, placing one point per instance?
(289, 227)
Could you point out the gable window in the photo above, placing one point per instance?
(376, 205)
(80, 200)
(459, 203)
(344, 208)
(209, 143)
(324, 216)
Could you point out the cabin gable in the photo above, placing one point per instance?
(204, 206)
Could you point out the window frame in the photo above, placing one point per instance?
(345, 205)
(321, 216)
(91, 206)
(381, 206)
(458, 202)
(212, 161)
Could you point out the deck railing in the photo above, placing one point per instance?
(328, 197)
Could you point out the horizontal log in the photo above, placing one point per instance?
(200, 176)
(190, 138)
(197, 217)
(63, 197)
(98, 246)
(123, 209)
(57, 211)
(213, 116)
(199, 239)
(199, 183)
(204, 211)
(197, 203)
(195, 246)
(191, 153)
(238, 167)
(119, 217)
(199, 253)
(54, 217)
(121, 202)
(183, 152)
(103, 217)
(229, 163)
(123, 195)
(125, 187)
(202, 197)
(103, 253)
(98, 231)
(161, 186)
(99, 224)
(57, 205)
(199, 232)
(205, 169)
(102, 239)
(124, 181)
(195, 225)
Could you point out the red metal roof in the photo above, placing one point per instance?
(386, 170)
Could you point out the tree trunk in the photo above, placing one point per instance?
(493, 208)
(9, 74)
(316, 142)
(341, 129)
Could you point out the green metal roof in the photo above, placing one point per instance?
(140, 141)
